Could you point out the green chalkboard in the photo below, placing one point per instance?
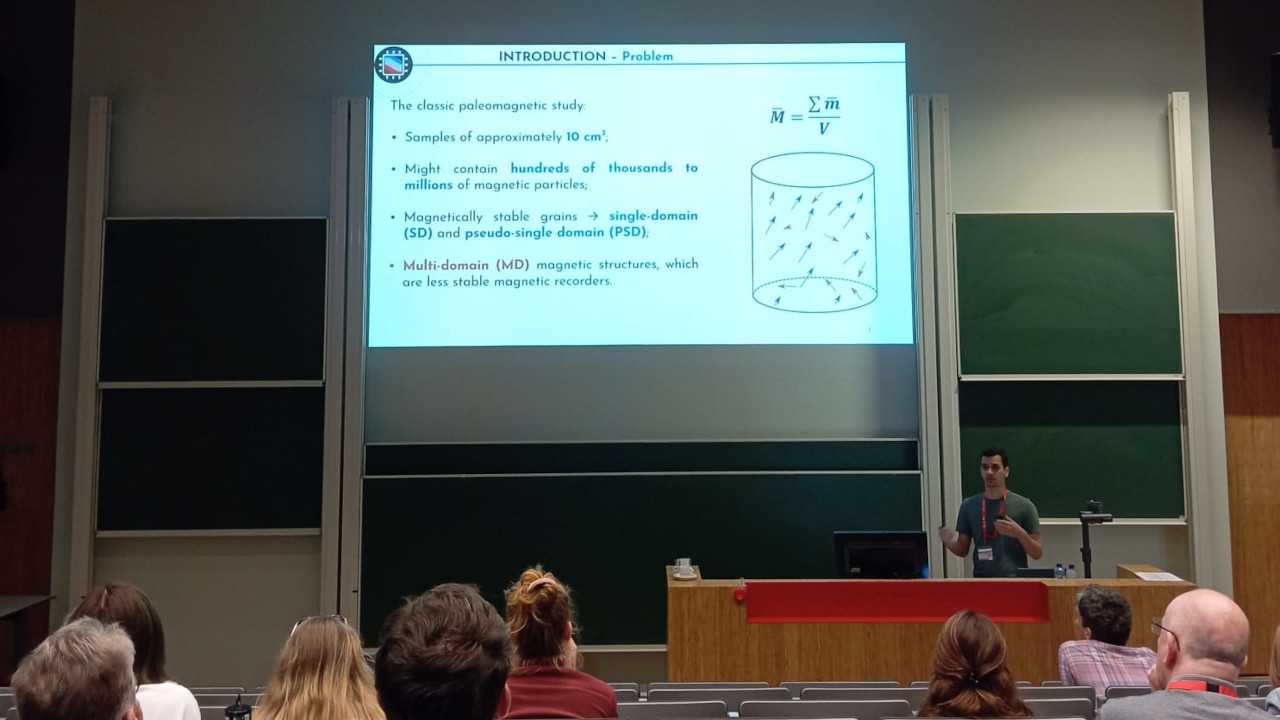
(211, 303)
(1068, 442)
(609, 537)
(1068, 294)
(210, 458)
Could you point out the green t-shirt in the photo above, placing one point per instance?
(1007, 552)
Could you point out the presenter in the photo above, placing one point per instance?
(1002, 527)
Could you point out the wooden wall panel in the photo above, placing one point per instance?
(29, 351)
(709, 638)
(1251, 396)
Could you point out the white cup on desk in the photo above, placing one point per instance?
(684, 569)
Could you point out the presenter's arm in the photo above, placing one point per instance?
(1029, 541)
(956, 542)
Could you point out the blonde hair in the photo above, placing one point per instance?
(1273, 668)
(321, 675)
(970, 676)
(539, 611)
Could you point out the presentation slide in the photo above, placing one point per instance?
(596, 195)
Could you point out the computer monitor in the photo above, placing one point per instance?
(873, 554)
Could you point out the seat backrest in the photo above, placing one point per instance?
(1119, 691)
(626, 695)
(654, 710)
(1258, 702)
(705, 685)
(1063, 707)
(211, 712)
(625, 686)
(1052, 683)
(913, 695)
(732, 697)
(221, 699)
(859, 709)
(798, 687)
(1263, 690)
(215, 690)
(1023, 683)
(6, 702)
(11, 714)
(1252, 683)
(1059, 692)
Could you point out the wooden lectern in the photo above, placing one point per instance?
(785, 630)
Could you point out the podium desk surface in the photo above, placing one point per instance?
(710, 637)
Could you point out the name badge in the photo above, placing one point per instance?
(986, 554)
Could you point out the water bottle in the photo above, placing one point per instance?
(1058, 572)
(238, 711)
(1071, 570)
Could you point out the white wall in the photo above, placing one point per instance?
(223, 109)
(227, 604)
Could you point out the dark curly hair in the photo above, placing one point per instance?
(1105, 613)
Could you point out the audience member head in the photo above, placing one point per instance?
(84, 671)
(1203, 632)
(1105, 615)
(321, 674)
(444, 655)
(1273, 668)
(970, 676)
(126, 605)
(540, 615)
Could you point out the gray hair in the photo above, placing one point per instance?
(84, 671)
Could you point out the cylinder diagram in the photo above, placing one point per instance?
(813, 232)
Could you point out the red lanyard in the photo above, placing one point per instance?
(994, 534)
(1203, 686)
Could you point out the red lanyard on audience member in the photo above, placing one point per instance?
(1203, 686)
(994, 534)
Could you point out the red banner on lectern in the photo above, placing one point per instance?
(894, 601)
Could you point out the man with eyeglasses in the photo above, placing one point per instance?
(1203, 641)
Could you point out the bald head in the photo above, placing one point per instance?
(1211, 629)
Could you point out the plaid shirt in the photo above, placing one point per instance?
(1103, 665)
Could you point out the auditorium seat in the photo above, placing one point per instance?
(859, 709)
(1059, 692)
(224, 690)
(224, 699)
(11, 714)
(922, 718)
(6, 702)
(625, 686)
(1052, 683)
(704, 685)
(1258, 702)
(798, 687)
(1063, 707)
(1252, 683)
(912, 696)
(210, 712)
(1119, 691)
(655, 710)
(626, 695)
(732, 697)
(1263, 689)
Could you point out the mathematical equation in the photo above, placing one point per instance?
(822, 110)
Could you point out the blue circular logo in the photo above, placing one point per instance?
(393, 64)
